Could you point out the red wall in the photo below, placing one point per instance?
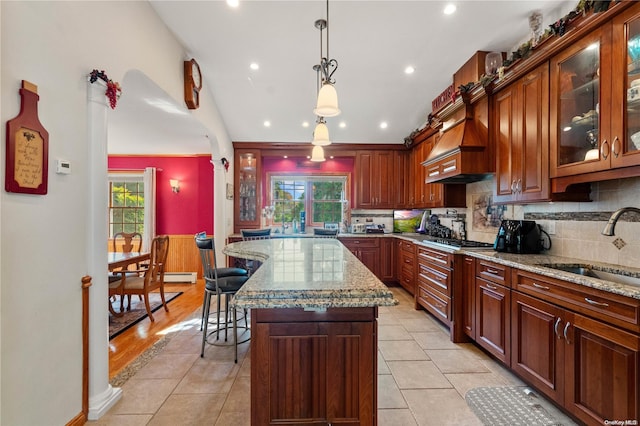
(188, 211)
(306, 167)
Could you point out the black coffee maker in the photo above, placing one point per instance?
(519, 236)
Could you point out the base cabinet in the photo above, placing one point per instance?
(493, 318)
(313, 367)
(587, 366)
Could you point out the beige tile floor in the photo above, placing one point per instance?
(422, 377)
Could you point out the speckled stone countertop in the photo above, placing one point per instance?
(534, 263)
(313, 273)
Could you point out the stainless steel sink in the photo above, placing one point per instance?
(594, 272)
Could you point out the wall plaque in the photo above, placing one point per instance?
(27, 150)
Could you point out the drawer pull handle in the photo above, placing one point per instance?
(492, 271)
(555, 327)
(491, 287)
(566, 328)
(593, 302)
(541, 287)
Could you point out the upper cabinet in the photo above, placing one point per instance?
(521, 135)
(247, 189)
(375, 179)
(595, 101)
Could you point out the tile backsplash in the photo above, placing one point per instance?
(575, 228)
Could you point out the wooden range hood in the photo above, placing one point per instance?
(462, 154)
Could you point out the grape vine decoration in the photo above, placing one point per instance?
(113, 88)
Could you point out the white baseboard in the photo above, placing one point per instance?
(180, 277)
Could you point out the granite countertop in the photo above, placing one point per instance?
(533, 263)
(312, 273)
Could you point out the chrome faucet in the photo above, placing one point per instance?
(609, 228)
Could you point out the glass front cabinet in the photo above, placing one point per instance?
(247, 190)
(595, 100)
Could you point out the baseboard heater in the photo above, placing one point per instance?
(180, 277)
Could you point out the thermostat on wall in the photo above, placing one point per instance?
(63, 167)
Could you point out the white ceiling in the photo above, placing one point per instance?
(373, 42)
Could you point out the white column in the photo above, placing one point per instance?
(102, 395)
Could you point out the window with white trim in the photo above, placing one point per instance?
(126, 203)
(320, 197)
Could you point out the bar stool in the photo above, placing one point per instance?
(218, 282)
(252, 235)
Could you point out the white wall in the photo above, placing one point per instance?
(43, 241)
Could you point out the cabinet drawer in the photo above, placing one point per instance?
(434, 303)
(407, 246)
(407, 260)
(360, 242)
(435, 256)
(609, 307)
(493, 272)
(407, 281)
(435, 278)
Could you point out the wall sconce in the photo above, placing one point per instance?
(175, 185)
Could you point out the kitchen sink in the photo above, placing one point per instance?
(594, 272)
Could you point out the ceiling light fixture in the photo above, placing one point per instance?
(233, 3)
(267, 123)
(409, 70)
(327, 103)
(254, 66)
(449, 9)
(317, 154)
(383, 125)
(321, 132)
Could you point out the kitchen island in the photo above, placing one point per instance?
(314, 309)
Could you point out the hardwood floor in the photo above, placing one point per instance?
(126, 347)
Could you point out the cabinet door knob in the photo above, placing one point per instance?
(566, 329)
(513, 186)
(604, 152)
(519, 185)
(555, 327)
(541, 287)
(593, 302)
(616, 146)
(491, 287)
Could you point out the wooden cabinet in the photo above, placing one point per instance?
(403, 182)
(406, 272)
(434, 283)
(493, 309)
(376, 182)
(595, 109)
(464, 299)
(386, 259)
(313, 367)
(247, 189)
(565, 344)
(521, 135)
(366, 249)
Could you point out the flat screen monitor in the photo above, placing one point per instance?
(407, 220)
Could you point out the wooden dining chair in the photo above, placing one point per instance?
(125, 242)
(151, 278)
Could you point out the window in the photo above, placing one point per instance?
(126, 204)
(321, 197)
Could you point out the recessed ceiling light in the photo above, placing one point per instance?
(331, 156)
(342, 124)
(409, 70)
(383, 125)
(267, 123)
(449, 9)
(254, 66)
(305, 124)
(285, 156)
(233, 3)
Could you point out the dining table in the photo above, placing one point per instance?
(118, 260)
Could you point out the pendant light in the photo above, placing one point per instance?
(321, 133)
(317, 154)
(327, 102)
